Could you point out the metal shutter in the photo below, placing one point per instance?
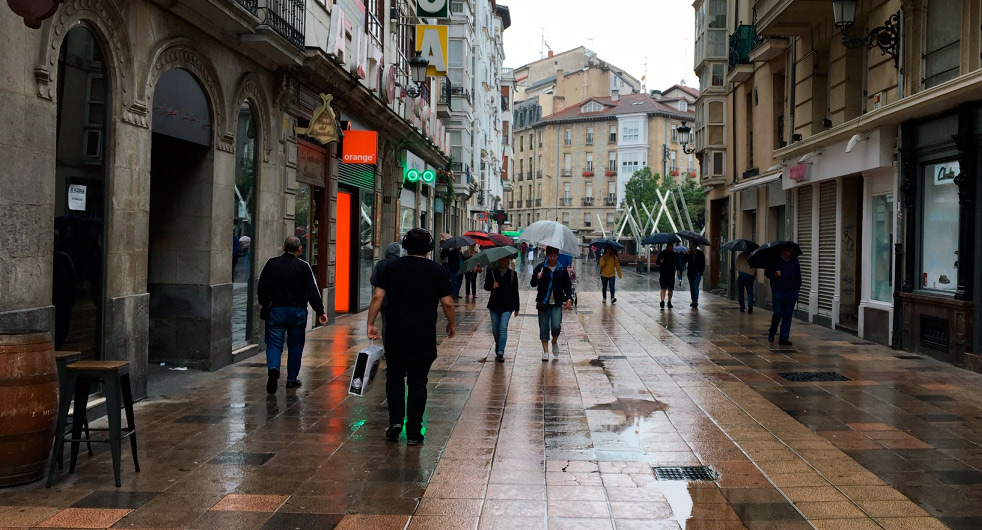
(826, 246)
(358, 175)
(805, 242)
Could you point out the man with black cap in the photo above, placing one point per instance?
(413, 286)
(286, 286)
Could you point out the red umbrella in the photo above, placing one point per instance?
(481, 238)
(501, 240)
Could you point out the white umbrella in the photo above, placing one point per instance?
(551, 234)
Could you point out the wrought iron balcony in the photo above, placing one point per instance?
(511, 204)
(610, 201)
(587, 201)
(251, 6)
(565, 201)
(567, 172)
(538, 174)
(742, 41)
(286, 17)
(538, 202)
(528, 203)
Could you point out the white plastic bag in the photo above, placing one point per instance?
(366, 366)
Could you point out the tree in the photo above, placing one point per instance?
(642, 189)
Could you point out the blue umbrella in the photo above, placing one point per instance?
(603, 244)
(457, 242)
(694, 237)
(740, 245)
(660, 238)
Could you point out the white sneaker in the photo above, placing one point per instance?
(555, 349)
(545, 356)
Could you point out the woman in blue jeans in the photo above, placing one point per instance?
(502, 281)
(554, 292)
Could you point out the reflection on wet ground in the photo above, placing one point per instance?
(568, 443)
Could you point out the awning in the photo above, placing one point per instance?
(764, 179)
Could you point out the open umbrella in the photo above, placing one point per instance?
(481, 238)
(768, 253)
(603, 244)
(740, 245)
(444, 236)
(660, 239)
(488, 256)
(694, 237)
(457, 242)
(681, 249)
(551, 234)
(502, 240)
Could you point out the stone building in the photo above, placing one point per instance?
(867, 127)
(152, 164)
(572, 166)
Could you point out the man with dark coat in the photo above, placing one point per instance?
(414, 286)
(392, 252)
(696, 268)
(668, 264)
(286, 286)
(785, 276)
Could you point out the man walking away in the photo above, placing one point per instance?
(746, 275)
(608, 266)
(392, 251)
(554, 292)
(502, 281)
(414, 287)
(286, 286)
(668, 263)
(696, 268)
(454, 259)
(785, 275)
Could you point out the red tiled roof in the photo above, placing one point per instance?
(626, 104)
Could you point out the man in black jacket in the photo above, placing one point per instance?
(696, 267)
(554, 293)
(286, 285)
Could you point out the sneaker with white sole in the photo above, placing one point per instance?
(545, 355)
(555, 349)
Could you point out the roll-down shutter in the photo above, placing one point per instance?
(826, 247)
(358, 175)
(805, 242)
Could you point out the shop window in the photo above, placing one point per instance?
(881, 266)
(942, 41)
(939, 239)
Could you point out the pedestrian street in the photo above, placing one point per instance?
(835, 434)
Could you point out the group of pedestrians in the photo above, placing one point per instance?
(670, 264)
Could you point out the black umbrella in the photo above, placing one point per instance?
(692, 236)
(457, 242)
(602, 244)
(740, 245)
(768, 253)
(660, 239)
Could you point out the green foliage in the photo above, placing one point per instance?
(643, 187)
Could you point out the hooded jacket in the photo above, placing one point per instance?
(505, 298)
(562, 285)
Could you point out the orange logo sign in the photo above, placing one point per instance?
(360, 147)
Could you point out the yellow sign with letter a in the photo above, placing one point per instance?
(432, 42)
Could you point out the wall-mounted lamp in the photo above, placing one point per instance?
(856, 138)
(807, 156)
(417, 72)
(885, 37)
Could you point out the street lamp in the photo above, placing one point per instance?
(685, 134)
(885, 37)
(417, 70)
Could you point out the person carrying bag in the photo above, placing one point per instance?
(502, 281)
(554, 293)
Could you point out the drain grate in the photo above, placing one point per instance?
(802, 377)
(685, 473)
(611, 357)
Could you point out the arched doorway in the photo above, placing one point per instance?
(244, 227)
(180, 261)
(80, 189)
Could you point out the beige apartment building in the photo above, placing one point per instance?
(857, 136)
(572, 166)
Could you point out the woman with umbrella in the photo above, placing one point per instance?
(608, 266)
(746, 275)
(502, 281)
(554, 293)
(780, 262)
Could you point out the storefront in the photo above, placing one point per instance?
(942, 239)
(356, 234)
(843, 198)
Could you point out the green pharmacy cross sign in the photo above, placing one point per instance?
(414, 175)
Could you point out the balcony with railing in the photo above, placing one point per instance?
(251, 6)
(610, 200)
(538, 174)
(276, 29)
(565, 201)
(528, 203)
(567, 172)
(286, 17)
(511, 204)
(587, 201)
(519, 175)
(538, 202)
(742, 42)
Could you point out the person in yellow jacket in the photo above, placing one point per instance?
(609, 265)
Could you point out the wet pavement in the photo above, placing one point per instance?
(837, 433)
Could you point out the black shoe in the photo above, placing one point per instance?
(750, 309)
(414, 440)
(670, 304)
(392, 433)
(662, 304)
(500, 358)
(770, 337)
(742, 310)
(271, 381)
(293, 384)
(613, 300)
(784, 342)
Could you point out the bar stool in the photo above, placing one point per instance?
(80, 376)
(62, 360)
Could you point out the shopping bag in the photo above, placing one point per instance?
(366, 366)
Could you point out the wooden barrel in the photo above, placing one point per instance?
(28, 404)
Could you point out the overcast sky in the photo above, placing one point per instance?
(622, 32)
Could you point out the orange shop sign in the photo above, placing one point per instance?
(360, 147)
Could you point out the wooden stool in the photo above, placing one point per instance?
(62, 360)
(80, 375)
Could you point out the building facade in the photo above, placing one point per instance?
(157, 174)
(872, 143)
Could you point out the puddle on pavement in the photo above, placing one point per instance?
(636, 412)
(679, 498)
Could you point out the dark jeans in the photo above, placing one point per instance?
(604, 282)
(470, 278)
(694, 281)
(402, 370)
(784, 302)
(745, 282)
(292, 323)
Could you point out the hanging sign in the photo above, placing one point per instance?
(359, 147)
(432, 8)
(798, 173)
(324, 124)
(432, 43)
(76, 197)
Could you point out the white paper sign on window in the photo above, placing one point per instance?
(76, 197)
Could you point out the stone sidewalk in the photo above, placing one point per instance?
(876, 439)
